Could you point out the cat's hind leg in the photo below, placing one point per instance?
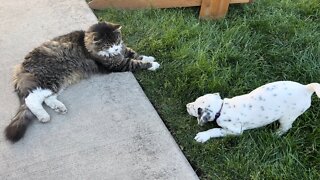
(34, 102)
(55, 104)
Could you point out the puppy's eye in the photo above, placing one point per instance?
(199, 111)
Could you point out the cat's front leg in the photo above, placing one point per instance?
(133, 65)
(121, 64)
(127, 64)
(147, 58)
(130, 53)
(154, 66)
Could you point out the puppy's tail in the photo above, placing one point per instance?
(314, 87)
(18, 126)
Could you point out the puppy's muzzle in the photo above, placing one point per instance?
(189, 107)
(203, 119)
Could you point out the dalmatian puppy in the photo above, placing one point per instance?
(284, 101)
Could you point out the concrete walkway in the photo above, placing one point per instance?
(111, 130)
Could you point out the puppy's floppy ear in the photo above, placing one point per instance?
(216, 94)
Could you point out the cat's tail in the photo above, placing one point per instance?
(314, 87)
(18, 126)
(23, 84)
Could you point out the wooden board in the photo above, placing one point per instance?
(239, 1)
(214, 9)
(136, 4)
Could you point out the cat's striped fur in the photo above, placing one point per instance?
(63, 61)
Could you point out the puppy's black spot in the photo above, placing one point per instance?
(274, 94)
(262, 108)
(228, 120)
(199, 111)
(250, 106)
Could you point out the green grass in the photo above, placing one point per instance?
(255, 44)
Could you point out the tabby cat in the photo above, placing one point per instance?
(64, 60)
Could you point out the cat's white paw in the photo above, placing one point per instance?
(147, 59)
(44, 118)
(55, 104)
(202, 137)
(60, 109)
(154, 66)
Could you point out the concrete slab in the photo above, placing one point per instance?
(111, 130)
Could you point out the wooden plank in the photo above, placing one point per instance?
(136, 4)
(239, 1)
(214, 9)
(210, 9)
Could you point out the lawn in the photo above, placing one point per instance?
(257, 43)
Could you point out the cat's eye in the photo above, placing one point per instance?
(96, 39)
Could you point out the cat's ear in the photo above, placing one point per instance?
(117, 27)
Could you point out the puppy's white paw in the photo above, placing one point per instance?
(202, 137)
(147, 59)
(154, 66)
(280, 132)
(44, 118)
